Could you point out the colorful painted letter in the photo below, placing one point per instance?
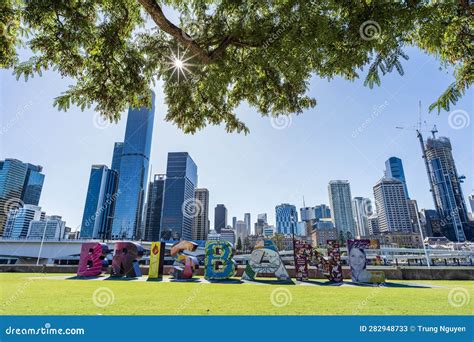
(125, 260)
(218, 262)
(303, 253)
(92, 259)
(157, 257)
(265, 259)
(184, 265)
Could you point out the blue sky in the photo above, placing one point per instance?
(348, 135)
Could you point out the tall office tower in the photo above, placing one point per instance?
(394, 169)
(33, 184)
(240, 231)
(374, 227)
(154, 208)
(201, 220)
(179, 206)
(12, 179)
(51, 228)
(19, 219)
(248, 222)
(307, 214)
(261, 224)
(220, 217)
(286, 217)
(322, 211)
(100, 202)
(340, 201)
(392, 207)
(234, 221)
(133, 174)
(117, 156)
(430, 223)
(362, 209)
(414, 215)
(471, 202)
(446, 187)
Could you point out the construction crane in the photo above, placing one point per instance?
(419, 135)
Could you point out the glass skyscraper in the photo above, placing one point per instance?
(100, 203)
(394, 169)
(181, 181)
(20, 183)
(154, 208)
(220, 217)
(447, 191)
(117, 156)
(33, 184)
(133, 173)
(286, 218)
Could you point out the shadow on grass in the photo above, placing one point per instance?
(270, 282)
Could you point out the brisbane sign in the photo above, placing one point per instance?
(219, 264)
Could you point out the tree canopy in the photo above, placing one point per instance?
(221, 53)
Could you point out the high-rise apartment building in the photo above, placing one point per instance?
(392, 207)
(341, 207)
(201, 219)
(394, 169)
(362, 209)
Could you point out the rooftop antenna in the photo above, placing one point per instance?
(304, 205)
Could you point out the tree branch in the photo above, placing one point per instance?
(182, 37)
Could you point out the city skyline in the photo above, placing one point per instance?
(371, 144)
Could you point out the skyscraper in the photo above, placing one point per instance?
(392, 207)
(133, 172)
(307, 214)
(154, 208)
(220, 217)
(261, 224)
(234, 221)
(20, 184)
(201, 219)
(322, 211)
(33, 185)
(340, 201)
(446, 187)
(248, 222)
(394, 169)
(240, 231)
(179, 207)
(117, 156)
(362, 209)
(100, 203)
(18, 221)
(286, 217)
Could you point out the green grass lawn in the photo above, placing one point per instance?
(23, 295)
